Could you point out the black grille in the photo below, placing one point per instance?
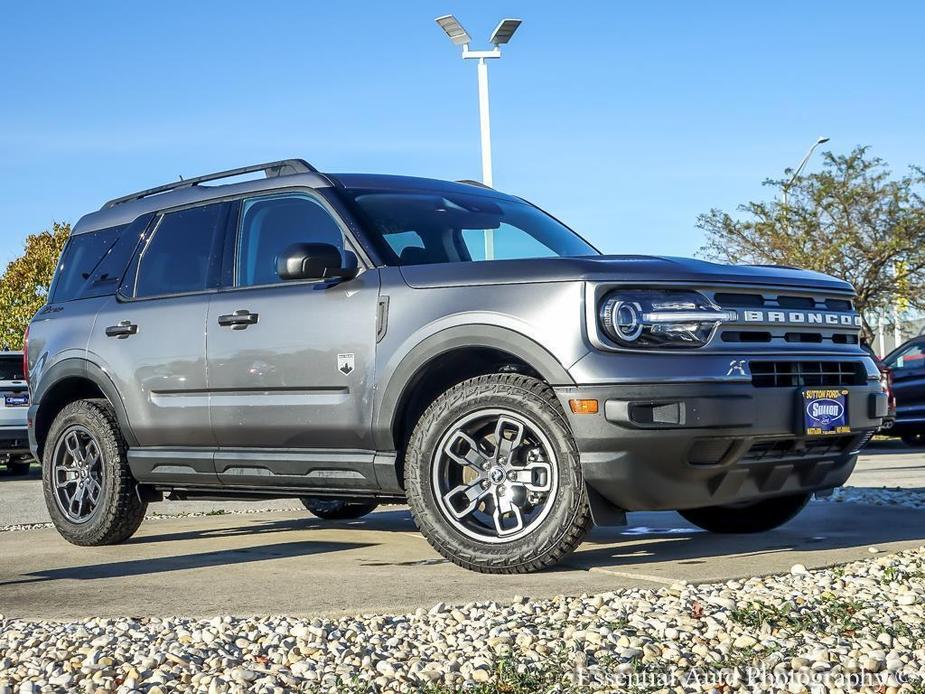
(784, 374)
(807, 303)
(727, 299)
(838, 304)
(746, 336)
(780, 449)
(796, 302)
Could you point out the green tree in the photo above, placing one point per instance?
(852, 219)
(24, 285)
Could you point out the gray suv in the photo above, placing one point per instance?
(355, 339)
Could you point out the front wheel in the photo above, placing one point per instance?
(748, 517)
(492, 476)
(89, 490)
(338, 509)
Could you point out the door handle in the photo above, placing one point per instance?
(238, 320)
(122, 329)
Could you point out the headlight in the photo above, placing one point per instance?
(653, 318)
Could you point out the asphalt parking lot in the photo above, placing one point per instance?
(289, 562)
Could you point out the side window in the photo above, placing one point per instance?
(269, 225)
(81, 256)
(183, 248)
(913, 357)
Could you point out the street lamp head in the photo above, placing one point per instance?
(504, 31)
(822, 140)
(454, 30)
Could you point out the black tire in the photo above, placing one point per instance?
(568, 517)
(338, 509)
(118, 511)
(754, 517)
(914, 440)
(19, 467)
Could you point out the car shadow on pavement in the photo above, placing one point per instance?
(183, 562)
(382, 521)
(35, 473)
(891, 447)
(655, 538)
(651, 538)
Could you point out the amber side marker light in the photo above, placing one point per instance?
(583, 406)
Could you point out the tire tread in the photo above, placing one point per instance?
(123, 510)
(559, 544)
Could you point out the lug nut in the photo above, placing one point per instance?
(485, 484)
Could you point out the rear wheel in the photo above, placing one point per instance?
(748, 517)
(89, 490)
(338, 509)
(492, 476)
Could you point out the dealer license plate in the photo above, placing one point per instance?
(825, 411)
(16, 399)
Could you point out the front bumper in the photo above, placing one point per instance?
(677, 446)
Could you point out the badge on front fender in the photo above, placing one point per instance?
(345, 363)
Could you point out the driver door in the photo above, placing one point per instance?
(294, 377)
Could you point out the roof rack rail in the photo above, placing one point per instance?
(284, 167)
(470, 182)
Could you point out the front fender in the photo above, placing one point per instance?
(446, 340)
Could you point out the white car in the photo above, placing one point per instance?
(14, 406)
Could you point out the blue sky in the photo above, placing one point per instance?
(626, 120)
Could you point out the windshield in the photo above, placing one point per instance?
(415, 228)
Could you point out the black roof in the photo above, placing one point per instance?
(368, 181)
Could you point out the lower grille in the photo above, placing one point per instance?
(784, 374)
(780, 449)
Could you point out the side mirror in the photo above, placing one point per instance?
(315, 261)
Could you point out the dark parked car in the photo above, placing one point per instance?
(886, 382)
(366, 338)
(907, 364)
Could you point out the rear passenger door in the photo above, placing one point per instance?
(151, 339)
(298, 376)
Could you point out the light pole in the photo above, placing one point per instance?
(501, 35)
(809, 153)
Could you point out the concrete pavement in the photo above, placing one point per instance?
(293, 563)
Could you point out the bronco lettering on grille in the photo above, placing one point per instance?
(801, 317)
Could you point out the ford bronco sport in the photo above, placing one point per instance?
(356, 339)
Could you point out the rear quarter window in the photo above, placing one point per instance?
(81, 257)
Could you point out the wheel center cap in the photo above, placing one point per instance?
(497, 475)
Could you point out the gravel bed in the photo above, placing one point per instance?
(161, 516)
(839, 628)
(882, 496)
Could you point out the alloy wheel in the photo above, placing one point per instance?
(77, 474)
(495, 475)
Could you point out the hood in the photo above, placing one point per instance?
(615, 268)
